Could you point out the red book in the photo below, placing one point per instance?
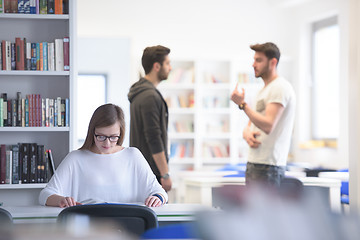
(66, 54)
(2, 164)
(19, 46)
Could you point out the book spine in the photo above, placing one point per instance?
(50, 6)
(33, 56)
(38, 56)
(15, 166)
(2, 163)
(28, 56)
(4, 97)
(67, 113)
(3, 54)
(58, 7)
(1, 6)
(33, 163)
(45, 56)
(59, 111)
(7, 6)
(41, 68)
(19, 65)
(1, 112)
(59, 54)
(14, 110)
(66, 54)
(32, 6)
(43, 6)
(9, 160)
(9, 113)
(19, 109)
(65, 6)
(27, 6)
(25, 162)
(20, 6)
(23, 112)
(13, 6)
(40, 164)
(26, 112)
(8, 55)
(13, 56)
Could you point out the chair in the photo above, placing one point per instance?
(5, 218)
(291, 188)
(172, 231)
(135, 219)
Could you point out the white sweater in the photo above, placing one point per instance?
(122, 177)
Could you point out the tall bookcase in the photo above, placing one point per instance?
(51, 84)
(205, 127)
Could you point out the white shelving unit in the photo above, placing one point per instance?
(198, 95)
(51, 84)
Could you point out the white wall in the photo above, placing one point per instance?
(224, 30)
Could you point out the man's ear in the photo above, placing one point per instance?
(273, 62)
(156, 66)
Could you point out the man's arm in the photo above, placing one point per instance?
(160, 160)
(267, 122)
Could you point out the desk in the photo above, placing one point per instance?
(166, 214)
(199, 190)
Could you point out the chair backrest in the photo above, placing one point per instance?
(5, 217)
(135, 219)
(291, 188)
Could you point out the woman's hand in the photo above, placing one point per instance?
(153, 201)
(60, 201)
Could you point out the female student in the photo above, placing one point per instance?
(103, 170)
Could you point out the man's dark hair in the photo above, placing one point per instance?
(269, 49)
(152, 55)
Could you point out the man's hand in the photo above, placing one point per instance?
(250, 138)
(166, 183)
(238, 97)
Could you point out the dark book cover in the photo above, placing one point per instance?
(33, 163)
(9, 113)
(3, 54)
(2, 163)
(13, 56)
(25, 162)
(51, 6)
(40, 164)
(51, 163)
(19, 109)
(65, 6)
(14, 112)
(19, 53)
(15, 167)
(33, 56)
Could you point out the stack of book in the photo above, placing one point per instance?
(25, 163)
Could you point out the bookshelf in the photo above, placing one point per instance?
(49, 84)
(205, 127)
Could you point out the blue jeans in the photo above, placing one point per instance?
(264, 174)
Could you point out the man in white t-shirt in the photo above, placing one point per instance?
(270, 126)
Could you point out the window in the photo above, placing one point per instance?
(91, 93)
(325, 76)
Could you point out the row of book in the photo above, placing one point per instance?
(180, 101)
(217, 125)
(182, 149)
(33, 111)
(216, 101)
(182, 126)
(181, 75)
(215, 149)
(35, 6)
(25, 163)
(42, 56)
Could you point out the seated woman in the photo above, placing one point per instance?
(102, 169)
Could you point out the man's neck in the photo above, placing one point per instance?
(152, 78)
(268, 79)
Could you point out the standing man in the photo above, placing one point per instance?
(149, 113)
(270, 126)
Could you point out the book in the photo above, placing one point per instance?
(40, 164)
(9, 113)
(13, 6)
(19, 109)
(50, 162)
(25, 162)
(59, 54)
(50, 6)
(38, 56)
(4, 97)
(33, 56)
(32, 6)
(1, 55)
(67, 113)
(27, 6)
(15, 164)
(21, 6)
(14, 110)
(9, 160)
(65, 6)
(43, 6)
(19, 44)
(28, 56)
(13, 56)
(2, 163)
(1, 6)
(45, 56)
(1, 112)
(33, 163)
(7, 6)
(66, 54)
(58, 7)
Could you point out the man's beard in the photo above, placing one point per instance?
(162, 75)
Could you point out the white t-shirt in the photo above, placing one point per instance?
(274, 147)
(121, 177)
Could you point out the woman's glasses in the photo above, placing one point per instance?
(102, 138)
